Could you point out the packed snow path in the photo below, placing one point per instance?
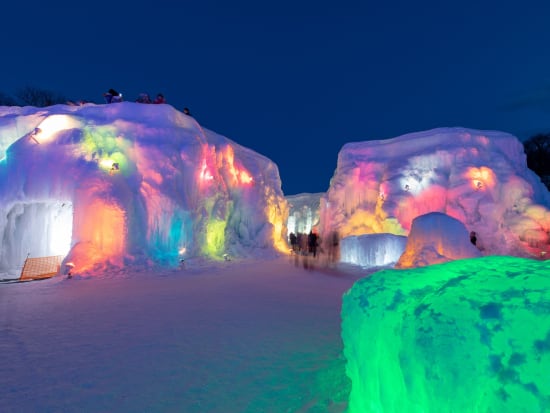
(232, 337)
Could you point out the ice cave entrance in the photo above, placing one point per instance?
(34, 229)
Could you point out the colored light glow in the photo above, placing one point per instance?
(239, 174)
(117, 162)
(205, 174)
(99, 140)
(431, 199)
(101, 233)
(102, 145)
(367, 222)
(52, 125)
(245, 177)
(106, 164)
(215, 238)
(481, 178)
(275, 217)
(455, 337)
(169, 228)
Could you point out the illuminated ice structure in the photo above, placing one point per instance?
(477, 177)
(436, 238)
(303, 212)
(130, 183)
(468, 336)
(372, 250)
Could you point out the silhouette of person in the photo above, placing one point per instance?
(159, 99)
(293, 241)
(473, 237)
(143, 98)
(312, 243)
(112, 96)
(333, 244)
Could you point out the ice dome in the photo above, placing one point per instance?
(435, 238)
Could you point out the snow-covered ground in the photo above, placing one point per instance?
(233, 336)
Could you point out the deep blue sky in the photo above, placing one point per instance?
(295, 80)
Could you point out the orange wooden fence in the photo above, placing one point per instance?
(41, 267)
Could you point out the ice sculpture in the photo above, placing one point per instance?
(126, 182)
(478, 177)
(436, 238)
(467, 336)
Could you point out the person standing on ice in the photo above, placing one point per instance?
(473, 237)
(159, 99)
(143, 98)
(112, 96)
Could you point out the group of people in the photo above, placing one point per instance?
(144, 98)
(311, 244)
(112, 96)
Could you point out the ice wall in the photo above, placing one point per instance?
(144, 182)
(372, 250)
(467, 336)
(478, 177)
(303, 214)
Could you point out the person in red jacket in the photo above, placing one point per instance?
(159, 99)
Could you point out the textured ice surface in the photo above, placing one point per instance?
(478, 177)
(466, 336)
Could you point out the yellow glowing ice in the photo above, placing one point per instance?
(481, 178)
(239, 174)
(215, 238)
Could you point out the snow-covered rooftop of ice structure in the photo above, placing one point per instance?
(478, 177)
(123, 182)
(466, 336)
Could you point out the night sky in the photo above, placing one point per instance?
(295, 80)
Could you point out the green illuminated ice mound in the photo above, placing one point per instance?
(466, 336)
